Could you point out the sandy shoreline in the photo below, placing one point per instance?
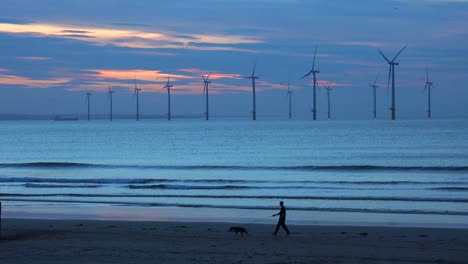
(89, 241)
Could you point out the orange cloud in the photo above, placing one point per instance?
(129, 38)
(140, 75)
(34, 83)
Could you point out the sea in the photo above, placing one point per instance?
(328, 172)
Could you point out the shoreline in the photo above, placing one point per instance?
(178, 214)
(104, 241)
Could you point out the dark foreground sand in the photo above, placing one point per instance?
(81, 241)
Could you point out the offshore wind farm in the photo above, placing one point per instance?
(315, 87)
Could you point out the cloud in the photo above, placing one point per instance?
(32, 83)
(373, 44)
(138, 74)
(32, 58)
(130, 38)
(214, 75)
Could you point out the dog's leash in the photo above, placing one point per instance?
(258, 221)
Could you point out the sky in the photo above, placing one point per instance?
(53, 51)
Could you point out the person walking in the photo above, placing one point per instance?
(281, 220)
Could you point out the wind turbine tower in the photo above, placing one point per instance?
(109, 99)
(168, 87)
(88, 101)
(428, 87)
(137, 93)
(391, 74)
(253, 77)
(205, 93)
(374, 89)
(314, 72)
(328, 98)
(290, 92)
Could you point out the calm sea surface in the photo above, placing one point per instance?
(403, 172)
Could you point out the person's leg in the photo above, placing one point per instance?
(277, 228)
(286, 228)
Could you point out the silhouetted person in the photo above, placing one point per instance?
(281, 220)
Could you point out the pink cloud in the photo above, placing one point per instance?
(140, 75)
(33, 83)
(138, 39)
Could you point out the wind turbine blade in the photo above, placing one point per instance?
(307, 74)
(388, 82)
(253, 72)
(389, 75)
(399, 53)
(208, 77)
(383, 56)
(427, 74)
(313, 63)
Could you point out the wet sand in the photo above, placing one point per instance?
(87, 241)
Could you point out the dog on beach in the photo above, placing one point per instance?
(238, 229)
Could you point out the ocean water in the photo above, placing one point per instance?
(402, 172)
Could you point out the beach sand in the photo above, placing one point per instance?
(87, 241)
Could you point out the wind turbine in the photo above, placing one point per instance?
(109, 99)
(205, 93)
(289, 94)
(374, 88)
(168, 87)
(328, 97)
(253, 77)
(391, 73)
(136, 92)
(314, 72)
(88, 101)
(428, 87)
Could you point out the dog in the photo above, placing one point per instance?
(238, 229)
